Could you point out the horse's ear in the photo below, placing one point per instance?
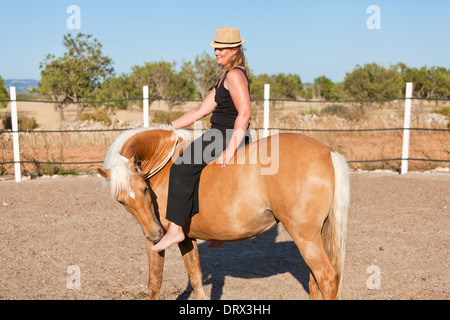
(132, 163)
(105, 173)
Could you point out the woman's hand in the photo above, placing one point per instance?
(225, 157)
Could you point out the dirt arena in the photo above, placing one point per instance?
(397, 247)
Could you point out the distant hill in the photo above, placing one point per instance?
(21, 83)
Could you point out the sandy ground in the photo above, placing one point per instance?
(56, 229)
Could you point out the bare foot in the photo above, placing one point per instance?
(174, 235)
(215, 244)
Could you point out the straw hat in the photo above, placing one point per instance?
(227, 37)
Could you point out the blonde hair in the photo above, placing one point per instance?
(238, 60)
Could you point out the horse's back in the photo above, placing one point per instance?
(247, 197)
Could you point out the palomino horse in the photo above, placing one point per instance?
(308, 193)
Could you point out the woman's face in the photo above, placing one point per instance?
(224, 55)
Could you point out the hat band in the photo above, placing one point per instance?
(226, 42)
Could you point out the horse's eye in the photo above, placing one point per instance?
(121, 202)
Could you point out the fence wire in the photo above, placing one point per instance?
(273, 129)
(260, 129)
(253, 100)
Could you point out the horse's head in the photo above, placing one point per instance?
(130, 189)
(153, 148)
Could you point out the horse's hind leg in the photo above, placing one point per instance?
(189, 251)
(323, 276)
(314, 292)
(321, 268)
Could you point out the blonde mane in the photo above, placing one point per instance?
(119, 179)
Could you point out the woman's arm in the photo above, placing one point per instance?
(206, 107)
(238, 88)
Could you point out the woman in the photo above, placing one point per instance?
(229, 103)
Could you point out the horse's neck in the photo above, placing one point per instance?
(160, 181)
(152, 148)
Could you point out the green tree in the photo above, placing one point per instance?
(257, 84)
(372, 81)
(121, 87)
(325, 88)
(164, 82)
(282, 86)
(3, 94)
(441, 83)
(77, 75)
(286, 86)
(203, 72)
(428, 82)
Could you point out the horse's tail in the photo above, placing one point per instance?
(335, 229)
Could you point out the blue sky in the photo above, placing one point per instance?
(308, 38)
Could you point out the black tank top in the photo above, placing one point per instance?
(225, 113)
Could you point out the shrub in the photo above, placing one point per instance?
(166, 116)
(342, 111)
(100, 115)
(24, 123)
(444, 111)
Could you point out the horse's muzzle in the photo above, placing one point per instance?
(155, 238)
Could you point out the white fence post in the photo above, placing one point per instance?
(406, 127)
(15, 134)
(145, 106)
(266, 109)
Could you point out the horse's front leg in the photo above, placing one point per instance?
(155, 270)
(189, 251)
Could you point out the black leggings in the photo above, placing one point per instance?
(182, 199)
